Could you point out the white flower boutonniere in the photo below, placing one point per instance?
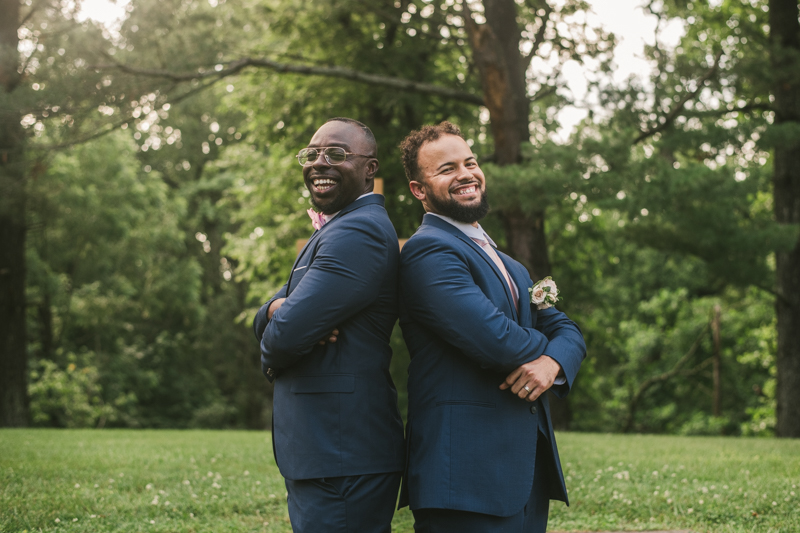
(544, 293)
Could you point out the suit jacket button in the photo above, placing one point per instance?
(533, 409)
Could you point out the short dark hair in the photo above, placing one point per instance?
(368, 135)
(416, 139)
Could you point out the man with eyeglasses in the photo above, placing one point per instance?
(337, 432)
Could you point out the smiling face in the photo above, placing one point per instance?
(452, 184)
(333, 187)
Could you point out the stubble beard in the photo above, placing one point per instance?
(466, 214)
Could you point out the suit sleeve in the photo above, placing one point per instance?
(261, 320)
(440, 293)
(566, 345)
(342, 280)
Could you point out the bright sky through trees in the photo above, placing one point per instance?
(626, 18)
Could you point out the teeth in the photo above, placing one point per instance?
(468, 190)
(323, 183)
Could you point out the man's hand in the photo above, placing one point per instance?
(274, 306)
(331, 338)
(531, 380)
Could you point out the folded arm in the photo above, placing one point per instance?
(343, 279)
(440, 292)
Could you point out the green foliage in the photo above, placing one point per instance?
(110, 279)
(68, 397)
(150, 249)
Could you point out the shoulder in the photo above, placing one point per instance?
(368, 225)
(430, 239)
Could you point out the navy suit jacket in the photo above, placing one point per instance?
(472, 446)
(335, 405)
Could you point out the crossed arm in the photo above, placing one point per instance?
(342, 280)
(440, 290)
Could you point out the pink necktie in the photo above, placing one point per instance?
(497, 261)
(317, 219)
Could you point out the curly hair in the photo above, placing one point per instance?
(416, 139)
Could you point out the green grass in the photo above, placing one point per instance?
(152, 481)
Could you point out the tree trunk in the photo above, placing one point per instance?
(495, 49)
(717, 368)
(527, 241)
(785, 36)
(13, 356)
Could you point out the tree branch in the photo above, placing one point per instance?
(747, 108)
(539, 38)
(108, 128)
(673, 114)
(649, 382)
(234, 67)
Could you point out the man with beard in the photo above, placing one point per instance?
(337, 432)
(482, 456)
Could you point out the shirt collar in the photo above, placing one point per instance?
(329, 217)
(468, 229)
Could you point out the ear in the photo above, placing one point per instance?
(372, 168)
(418, 190)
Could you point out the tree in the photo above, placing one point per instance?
(13, 361)
(785, 61)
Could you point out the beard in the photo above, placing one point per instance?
(466, 214)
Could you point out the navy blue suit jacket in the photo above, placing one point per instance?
(335, 405)
(472, 446)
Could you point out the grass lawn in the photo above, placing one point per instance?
(193, 481)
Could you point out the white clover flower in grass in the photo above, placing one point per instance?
(74, 519)
(246, 472)
(77, 485)
(149, 486)
(690, 510)
(187, 482)
(58, 520)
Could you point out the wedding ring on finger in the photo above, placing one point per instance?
(528, 389)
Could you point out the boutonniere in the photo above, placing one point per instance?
(544, 293)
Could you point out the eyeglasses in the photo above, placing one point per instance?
(333, 155)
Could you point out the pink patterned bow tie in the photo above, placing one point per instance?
(317, 219)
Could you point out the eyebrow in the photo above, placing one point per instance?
(453, 162)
